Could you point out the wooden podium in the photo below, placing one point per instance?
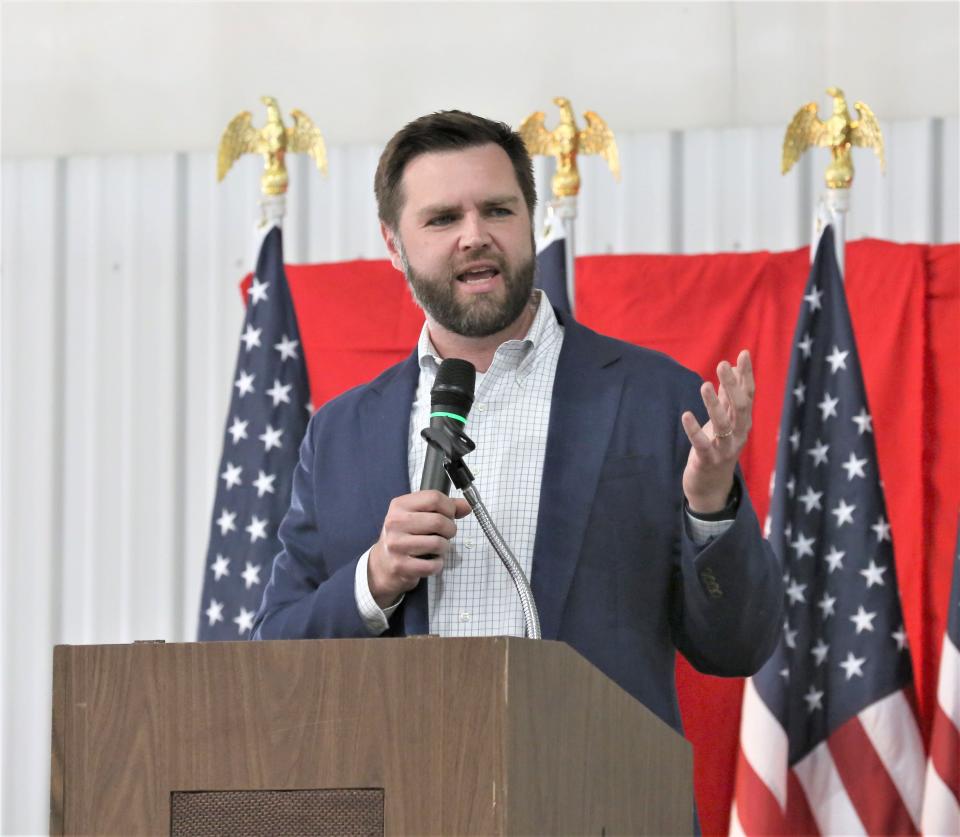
(357, 736)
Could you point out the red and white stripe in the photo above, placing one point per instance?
(867, 778)
(941, 800)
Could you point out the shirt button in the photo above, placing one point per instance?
(468, 544)
(482, 408)
(464, 615)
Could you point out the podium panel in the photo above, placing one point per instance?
(420, 735)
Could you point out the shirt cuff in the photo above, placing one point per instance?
(376, 619)
(701, 531)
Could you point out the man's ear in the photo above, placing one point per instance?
(389, 238)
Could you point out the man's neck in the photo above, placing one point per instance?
(480, 350)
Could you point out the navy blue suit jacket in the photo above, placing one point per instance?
(615, 573)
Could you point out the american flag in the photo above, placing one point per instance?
(829, 741)
(268, 415)
(941, 798)
(552, 264)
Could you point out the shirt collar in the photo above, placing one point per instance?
(519, 354)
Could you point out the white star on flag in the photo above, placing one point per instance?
(864, 422)
(814, 298)
(873, 574)
(803, 545)
(810, 499)
(863, 620)
(795, 592)
(264, 483)
(828, 407)
(258, 291)
(270, 438)
(220, 567)
(900, 636)
(244, 621)
(231, 476)
(795, 440)
(854, 467)
(244, 384)
(819, 453)
(791, 486)
(278, 392)
(799, 392)
(789, 636)
(251, 337)
(251, 575)
(853, 665)
(882, 529)
(805, 345)
(834, 558)
(844, 512)
(257, 528)
(226, 522)
(238, 430)
(214, 612)
(813, 698)
(287, 348)
(837, 359)
(826, 605)
(819, 651)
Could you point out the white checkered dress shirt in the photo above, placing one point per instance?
(474, 595)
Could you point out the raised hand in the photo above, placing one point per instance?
(708, 476)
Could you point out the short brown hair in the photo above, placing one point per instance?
(448, 130)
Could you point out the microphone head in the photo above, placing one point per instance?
(453, 389)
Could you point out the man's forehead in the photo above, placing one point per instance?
(482, 172)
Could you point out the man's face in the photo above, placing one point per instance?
(464, 239)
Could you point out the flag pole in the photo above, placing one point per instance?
(270, 399)
(566, 210)
(839, 132)
(564, 143)
(831, 210)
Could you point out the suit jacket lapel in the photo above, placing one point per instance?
(385, 427)
(586, 396)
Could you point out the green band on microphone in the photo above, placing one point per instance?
(461, 419)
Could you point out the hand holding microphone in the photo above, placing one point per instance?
(418, 527)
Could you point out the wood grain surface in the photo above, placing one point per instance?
(465, 736)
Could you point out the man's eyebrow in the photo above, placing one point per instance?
(501, 201)
(438, 209)
(447, 209)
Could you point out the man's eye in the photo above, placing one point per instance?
(500, 212)
(441, 220)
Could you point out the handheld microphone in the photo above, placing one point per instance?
(450, 401)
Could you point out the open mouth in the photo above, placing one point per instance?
(477, 276)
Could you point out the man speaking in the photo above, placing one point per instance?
(609, 469)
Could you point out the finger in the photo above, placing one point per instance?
(745, 368)
(695, 432)
(415, 568)
(721, 420)
(462, 508)
(429, 500)
(403, 546)
(733, 394)
(424, 523)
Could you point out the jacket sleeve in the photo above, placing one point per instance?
(302, 600)
(728, 598)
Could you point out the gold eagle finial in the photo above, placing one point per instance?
(273, 141)
(566, 141)
(838, 133)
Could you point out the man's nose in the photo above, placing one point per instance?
(474, 232)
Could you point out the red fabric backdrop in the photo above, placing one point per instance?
(356, 318)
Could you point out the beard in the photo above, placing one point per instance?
(479, 315)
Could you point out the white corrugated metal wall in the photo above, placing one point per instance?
(120, 317)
